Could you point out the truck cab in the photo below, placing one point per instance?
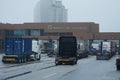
(36, 50)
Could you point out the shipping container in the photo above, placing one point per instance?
(18, 46)
(19, 50)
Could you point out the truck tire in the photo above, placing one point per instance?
(72, 62)
(24, 59)
(19, 60)
(39, 57)
(57, 63)
(118, 67)
(75, 62)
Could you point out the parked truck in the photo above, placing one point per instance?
(18, 50)
(118, 58)
(118, 62)
(36, 50)
(47, 46)
(95, 48)
(107, 50)
(82, 48)
(67, 52)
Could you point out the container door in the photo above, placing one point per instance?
(9, 45)
(27, 46)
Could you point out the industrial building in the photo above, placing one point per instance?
(50, 11)
(52, 31)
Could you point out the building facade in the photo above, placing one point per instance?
(52, 31)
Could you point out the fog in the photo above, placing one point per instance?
(104, 12)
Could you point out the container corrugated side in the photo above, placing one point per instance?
(9, 46)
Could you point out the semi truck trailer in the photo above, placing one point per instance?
(95, 48)
(67, 51)
(82, 48)
(107, 50)
(18, 50)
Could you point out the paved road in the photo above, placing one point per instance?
(95, 70)
(86, 69)
(10, 70)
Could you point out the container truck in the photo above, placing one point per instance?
(67, 51)
(118, 63)
(118, 56)
(94, 49)
(47, 46)
(107, 50)
(82, 48)
(18, 50)
(118, 60)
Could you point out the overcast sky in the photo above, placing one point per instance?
(104, 12)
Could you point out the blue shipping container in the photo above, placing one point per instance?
(20, 46)
(9, 46)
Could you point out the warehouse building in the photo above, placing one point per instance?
(52, 31)
(49, 30)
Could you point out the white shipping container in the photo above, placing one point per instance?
(82, 45)
(106, 46)
(95, 46)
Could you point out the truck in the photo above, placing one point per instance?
(118, 62)
(19, 50)
(94, 49)
(47, 46)
(107, 50)
(118, 59)
(82, 48)
(67, 50)
(36, 50)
